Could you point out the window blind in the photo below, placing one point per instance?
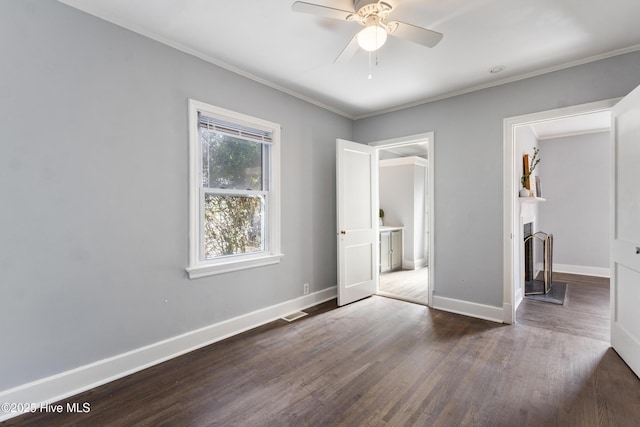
(234, 129)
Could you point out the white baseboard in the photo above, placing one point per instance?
(480, 311)
(582, 269)
(508, 314)
(69, 383)
(519, 296)
(414, 264)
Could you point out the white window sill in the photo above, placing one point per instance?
(229, 266)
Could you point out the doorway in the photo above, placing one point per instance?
(405, 189)
(514, 209)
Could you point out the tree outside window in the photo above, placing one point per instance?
(234, 197)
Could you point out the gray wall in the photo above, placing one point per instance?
(575, 178)
(396, 191)
(94, 184)
(93, 176)
(468, 163)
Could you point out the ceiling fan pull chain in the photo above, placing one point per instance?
(370, 75)
(377, 45)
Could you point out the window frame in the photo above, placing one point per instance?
(198, 265)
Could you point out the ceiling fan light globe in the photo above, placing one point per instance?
(372, 37)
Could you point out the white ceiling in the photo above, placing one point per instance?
(294, 52)
(573, 125)
(420, 150)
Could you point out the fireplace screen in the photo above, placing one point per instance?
(538, 258)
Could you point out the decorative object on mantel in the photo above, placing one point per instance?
(528, 168)
(381, 217)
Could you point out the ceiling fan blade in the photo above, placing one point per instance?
(419, 35)
(349, 50)
(316, 9)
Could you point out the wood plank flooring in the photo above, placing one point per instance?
(585, 312)
(380, 362)
(406, 284)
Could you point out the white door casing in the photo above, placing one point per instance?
(625, 231)
(511, 210)
(357, 207)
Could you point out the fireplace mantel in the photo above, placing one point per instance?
(531, 199)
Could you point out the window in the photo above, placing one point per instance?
(234, 189)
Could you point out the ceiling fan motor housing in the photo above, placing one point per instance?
(367, 7)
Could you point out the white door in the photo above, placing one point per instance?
(625, 246)
(357, 221)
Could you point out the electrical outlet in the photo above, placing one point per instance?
(305, 288)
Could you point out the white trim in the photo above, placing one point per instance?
(201, 268)
(511, 204)
(403, 161)
(471, 309)
(507, 309)
(432, 215)
(582, 270)
(227, 267)
(568, 134)
(69, 383)
(402, 141)
(519, 296)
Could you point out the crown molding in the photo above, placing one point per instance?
(512, 79)
(91, 9)
(99, 13)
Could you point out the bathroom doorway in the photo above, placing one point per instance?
(405, 232)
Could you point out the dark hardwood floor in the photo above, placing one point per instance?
(382, 361)
(585, 312)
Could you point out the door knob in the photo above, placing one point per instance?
(343, 232)
(637, 250)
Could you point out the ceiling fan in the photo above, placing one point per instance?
(371, 14)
